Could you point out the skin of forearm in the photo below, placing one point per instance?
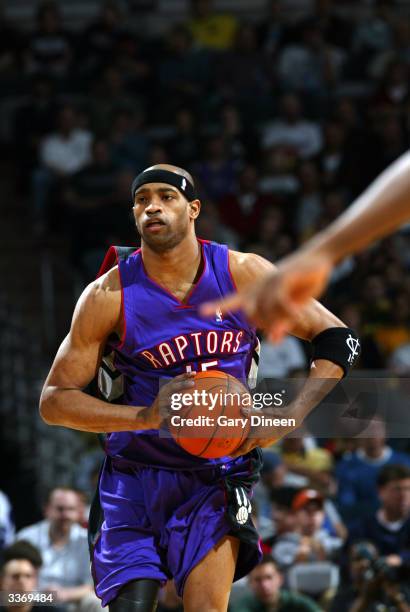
(77, 410)
(323, 377)
(383, 207)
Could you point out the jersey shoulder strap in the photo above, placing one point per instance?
(114, 255)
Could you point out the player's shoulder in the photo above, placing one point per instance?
(98, 310)
(104, 289)
(247, 267)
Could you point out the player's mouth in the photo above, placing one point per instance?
(154, 225)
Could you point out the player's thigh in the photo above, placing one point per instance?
(208, 586)
(137, 596)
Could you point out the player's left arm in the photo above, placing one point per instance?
(327, 333)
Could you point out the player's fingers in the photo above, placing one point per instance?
(232, 302)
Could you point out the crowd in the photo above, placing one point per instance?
(283, 121)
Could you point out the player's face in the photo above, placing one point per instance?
(163, 216)
(19, 575)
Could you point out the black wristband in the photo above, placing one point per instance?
(340, 345)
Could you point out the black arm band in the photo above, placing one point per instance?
(340, 345)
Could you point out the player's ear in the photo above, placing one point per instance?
(194, 209)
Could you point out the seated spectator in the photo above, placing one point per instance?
(61, 154)
(242, 210)
(265, 581)
(357, 472)
(292, 129)
(278, 178)
(102, 39)
(282, 359)
(6, 521)
(63, 546)
(209, 29)
(368, 587)
(308, 541)
(49, 49)
(332, 159)
(310, 66)
(309, 460)
(389, 527)
(21, 563)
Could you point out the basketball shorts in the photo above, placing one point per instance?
(159, 524)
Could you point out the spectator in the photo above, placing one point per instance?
(332, 160)
(357, 472)
(282, 359)
(19, 574)
(366, 589)
(209, 29)
(303, 457)
(265, 581)
(49, 48)
(292, 129)
(308, 541)
(389, 527)
(63, 545)
(272, 31)
(6, 521)
(311, 66)
(100, 37)
(61, 154)
(242, 210)
(110, 96)
(209, 226)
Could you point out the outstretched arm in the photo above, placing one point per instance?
(384, 206)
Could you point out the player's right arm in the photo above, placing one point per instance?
(63, 402)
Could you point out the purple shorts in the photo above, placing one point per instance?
(159, 524)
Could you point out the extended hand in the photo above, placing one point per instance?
(274, 302)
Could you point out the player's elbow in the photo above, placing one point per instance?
(48, 406)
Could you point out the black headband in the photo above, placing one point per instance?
(164, 176)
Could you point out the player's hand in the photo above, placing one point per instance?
(160, 409)
(274, 302)
(260, 435)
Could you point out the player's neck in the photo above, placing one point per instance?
(180, 263)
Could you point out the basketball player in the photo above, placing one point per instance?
(166, 513)
(383, 207)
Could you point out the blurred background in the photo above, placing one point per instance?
(284, 111)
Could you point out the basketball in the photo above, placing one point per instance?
(208, 422)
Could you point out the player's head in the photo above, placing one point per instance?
(265, 580)
(19, 571)
(165, 206)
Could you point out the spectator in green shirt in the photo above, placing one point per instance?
(265, 581)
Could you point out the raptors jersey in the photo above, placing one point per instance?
(164, 337)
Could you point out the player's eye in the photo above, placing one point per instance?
(140, 200)
(167, 197)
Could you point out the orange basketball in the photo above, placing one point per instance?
(206, 420)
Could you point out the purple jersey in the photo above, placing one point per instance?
(164, 337)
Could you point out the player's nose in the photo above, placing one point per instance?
(154, 206)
